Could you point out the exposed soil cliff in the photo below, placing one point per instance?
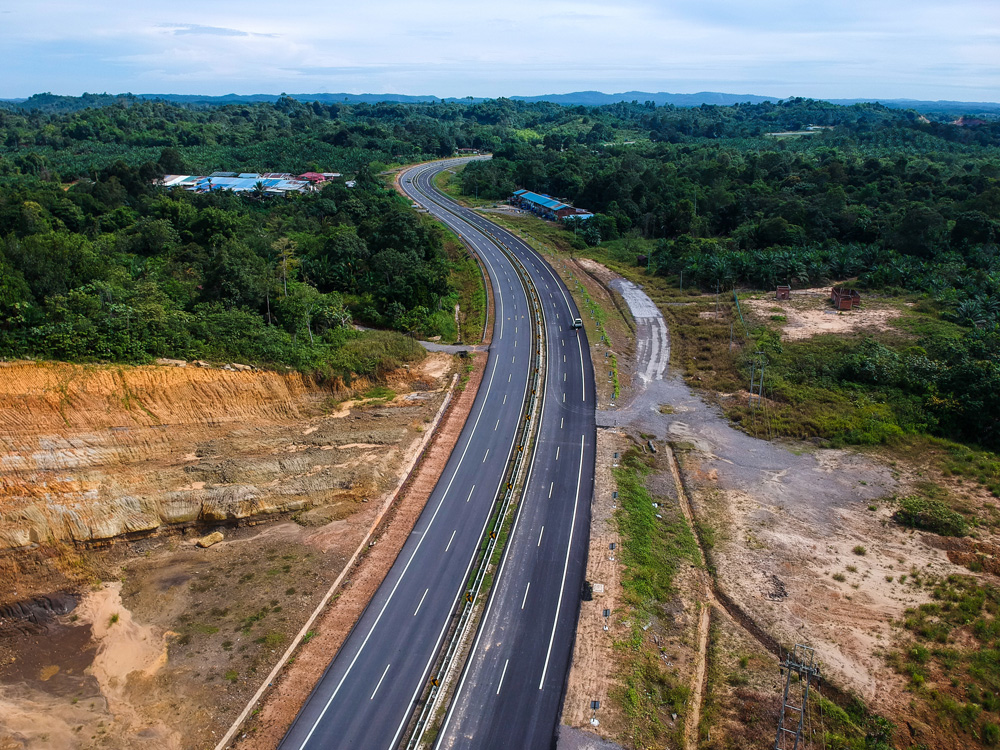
(156, 642)
(94, 452)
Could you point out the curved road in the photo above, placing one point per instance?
(515, 676)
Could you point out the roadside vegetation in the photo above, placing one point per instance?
(912, 389)
(656, 542)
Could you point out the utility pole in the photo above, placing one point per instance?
(756, 378)
(801, 662)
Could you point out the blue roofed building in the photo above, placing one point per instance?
(548, 207)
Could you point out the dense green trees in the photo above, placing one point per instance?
(96, 262)
(108, 266)
(884, 197)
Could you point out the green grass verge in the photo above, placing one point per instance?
(652, 551)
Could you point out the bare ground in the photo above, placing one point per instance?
(169, 640)
(784, 520)
(809, 312)
(593, 653)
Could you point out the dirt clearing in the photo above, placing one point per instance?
(809, 313)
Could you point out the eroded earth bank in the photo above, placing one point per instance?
(116, 629)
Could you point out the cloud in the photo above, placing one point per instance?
(193, 28)
(891, 48)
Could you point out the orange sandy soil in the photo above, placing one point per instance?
(169, 641)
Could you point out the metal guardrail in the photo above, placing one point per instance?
(505, 497)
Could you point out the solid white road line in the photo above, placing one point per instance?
(416, 549)
(569, 546)
(502, 675)
(451, 540)
(419, 605)
(583, 373)
(402, 725)
(380, 681)
(525, 594)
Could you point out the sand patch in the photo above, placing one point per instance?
(809, 313)
(126, 649)
(436, 365)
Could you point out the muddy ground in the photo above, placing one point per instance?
(160, 643)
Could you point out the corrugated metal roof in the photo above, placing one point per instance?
(542, 200)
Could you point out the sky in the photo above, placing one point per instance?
(919, 49)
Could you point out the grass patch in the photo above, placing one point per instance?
(652, 551)
(380, 392)
(952, 652)
(271, 639)
(652, 548)
(931, 515)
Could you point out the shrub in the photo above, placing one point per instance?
(991, 733)
(930, 515)
(859, 549)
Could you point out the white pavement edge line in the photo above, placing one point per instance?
(569, 547)
(350, 564)
(498, 578)
(559, 285)
(399, 580)
(450, 223)
(468, 569)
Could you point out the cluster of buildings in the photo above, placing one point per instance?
(268, 183)
(548, 207)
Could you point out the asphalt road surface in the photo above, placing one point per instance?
(369, 691)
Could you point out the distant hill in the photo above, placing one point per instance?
(55, 103)
(598, 98)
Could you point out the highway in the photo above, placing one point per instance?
(368, 693)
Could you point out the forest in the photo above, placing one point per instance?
(99, 264)
(901, 205)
